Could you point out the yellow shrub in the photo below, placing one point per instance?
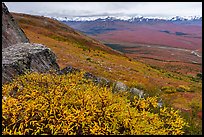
(71, 105)
(182, 88)
(168, 89)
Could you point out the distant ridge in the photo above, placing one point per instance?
(128, 18)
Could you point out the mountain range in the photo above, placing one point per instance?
(135, 19)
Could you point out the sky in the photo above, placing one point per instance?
(77, 9)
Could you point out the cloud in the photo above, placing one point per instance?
(72, 9)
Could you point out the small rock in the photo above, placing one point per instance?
(4, 98)
(138, 92)
(160, 103)
(119, 86)
(104, 81)
(89, 76)
(68, 69)
(97, 80)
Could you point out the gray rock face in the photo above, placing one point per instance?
(11, 32)
(20, 58)
(137, 92)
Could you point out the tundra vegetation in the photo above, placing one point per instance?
(38, 104)
(178, 91)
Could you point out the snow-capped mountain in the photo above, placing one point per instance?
(101, 18)
(129, 18)
(178, 18)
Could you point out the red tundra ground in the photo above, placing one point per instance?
(150, 44)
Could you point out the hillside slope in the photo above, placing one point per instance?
(80, 51)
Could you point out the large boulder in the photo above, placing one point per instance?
(23, 57)
(18, 55)
(11, 32)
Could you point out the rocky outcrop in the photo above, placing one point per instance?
(117, 85)
(87, 75)
(20, 58)
(11, 32)
(18, 55)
